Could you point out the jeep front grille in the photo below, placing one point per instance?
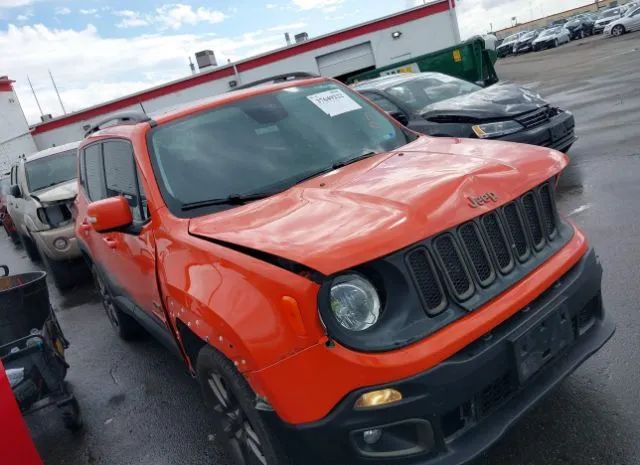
(480, 258)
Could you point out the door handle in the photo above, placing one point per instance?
(111, 243)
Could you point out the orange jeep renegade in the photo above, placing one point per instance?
(345, 290)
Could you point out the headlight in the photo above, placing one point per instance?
(500, 128)
(354, 302)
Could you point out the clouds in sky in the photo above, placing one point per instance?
(90, 68)
(99, 52)
(14, 3)
(326, 5)
(170, 16)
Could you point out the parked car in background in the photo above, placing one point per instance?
(5, 218)
(605, 17)
(333, 278)
(44, 186)
(441, 105)
(525, 43)
(578, 28)
(557, 22)
(550, 38)
(628, 23)
(506, 47)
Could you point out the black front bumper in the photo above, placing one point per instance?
(557, 133)
(544, 45)
(465, 404)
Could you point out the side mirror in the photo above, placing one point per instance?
(400, 117)
(109, 214)
(15, 191)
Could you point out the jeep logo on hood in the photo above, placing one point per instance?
(475, 202)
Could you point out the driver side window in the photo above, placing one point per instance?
(110, 171)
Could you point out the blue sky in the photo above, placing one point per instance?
(120, 18)
(101, 50)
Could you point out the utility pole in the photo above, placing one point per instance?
(35, 96)
(57, 93)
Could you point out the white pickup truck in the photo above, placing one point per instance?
(40, 200)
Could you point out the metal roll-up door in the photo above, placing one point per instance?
(346, 60)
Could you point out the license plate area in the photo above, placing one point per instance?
(558, 132)
(540, 344)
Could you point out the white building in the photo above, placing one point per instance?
(15, 137)
(377, 43)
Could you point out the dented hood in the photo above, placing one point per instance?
(63, 191)
(384, 203)
(495, 102)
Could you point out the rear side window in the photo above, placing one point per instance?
(121, 175)
(94, 172)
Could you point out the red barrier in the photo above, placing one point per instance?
(16, 446)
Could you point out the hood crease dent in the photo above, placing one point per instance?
(382, 204)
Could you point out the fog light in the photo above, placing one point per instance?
(371, 436)
(60, 243)
(378, 398)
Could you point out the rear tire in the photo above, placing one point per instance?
(244, 434)
(30, 248)
(125, 325)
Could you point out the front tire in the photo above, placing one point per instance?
(244, 434)
(618, 30)
(30, 248)
(61, 272)
(125, 325)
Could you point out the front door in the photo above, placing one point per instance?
(132, 260)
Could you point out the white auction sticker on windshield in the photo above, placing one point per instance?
(334, 102)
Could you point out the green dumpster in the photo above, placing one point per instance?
(468, 60)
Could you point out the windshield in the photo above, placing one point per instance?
(549, 32)
(608, 13)
(528, 36)
(267, 143)
(51, 170)
(430, 88)
(510, 39)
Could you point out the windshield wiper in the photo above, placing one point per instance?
(233, 199)
(241, 199)
(335, 166)
(340, 164)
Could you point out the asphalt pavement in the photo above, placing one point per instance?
(141, 407)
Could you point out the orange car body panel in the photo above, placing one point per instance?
(393, 200)
(300, 392)
(264, 318)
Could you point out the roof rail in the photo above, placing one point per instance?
(278, 78)
(125, 117)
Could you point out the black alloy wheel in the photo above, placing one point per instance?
(245, 443)
(126, 327)
(232, 403)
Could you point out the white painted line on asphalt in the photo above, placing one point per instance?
(580, 209)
